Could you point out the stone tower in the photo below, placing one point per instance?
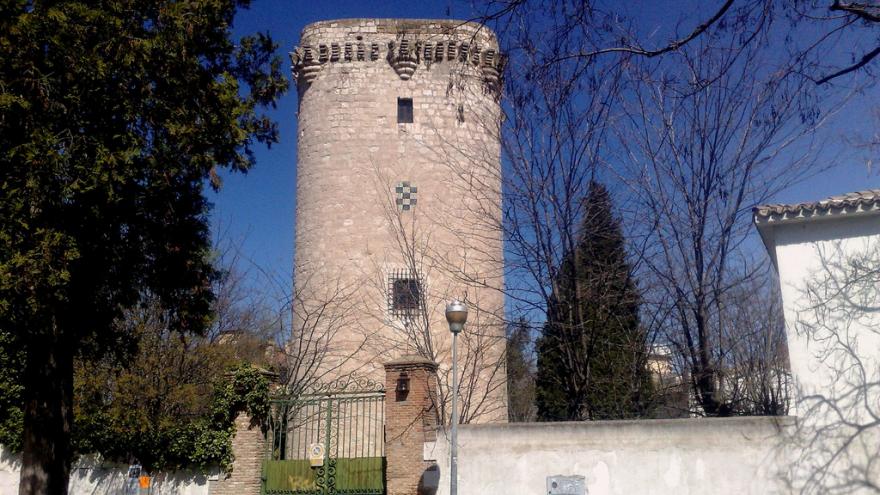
(398, 199)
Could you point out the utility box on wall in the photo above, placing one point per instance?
(566, 485)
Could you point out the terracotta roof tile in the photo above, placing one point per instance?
(855, 202)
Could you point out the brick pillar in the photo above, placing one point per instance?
(410, 421)
(247, 446)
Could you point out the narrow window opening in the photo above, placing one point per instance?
(405, 294)
(404, 111)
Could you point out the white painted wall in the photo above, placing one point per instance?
(651, 457)
(832, 313)
(10, 465)
(801, 249)
(92, 477)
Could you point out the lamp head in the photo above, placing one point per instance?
(456, 315)
(403, 384)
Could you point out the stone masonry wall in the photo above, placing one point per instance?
(352, 236)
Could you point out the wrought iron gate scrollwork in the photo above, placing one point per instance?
(325, 479)
(344, 420)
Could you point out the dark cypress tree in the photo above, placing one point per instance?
(591, 355)
(554, 395)
(520, 374)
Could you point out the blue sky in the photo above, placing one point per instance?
(257, 210)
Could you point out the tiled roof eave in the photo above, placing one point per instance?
(859, 204)
(805, 215)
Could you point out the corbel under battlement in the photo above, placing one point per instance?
(404, 55)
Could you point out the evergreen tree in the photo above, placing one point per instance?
(114, 115)
(592, 355)
(520, 374)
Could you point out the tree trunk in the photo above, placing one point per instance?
(48, 415)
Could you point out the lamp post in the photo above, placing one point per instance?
(456, 316)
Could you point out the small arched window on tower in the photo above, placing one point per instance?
(404, 111)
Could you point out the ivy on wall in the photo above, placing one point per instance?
(198, 442)
(246, 389)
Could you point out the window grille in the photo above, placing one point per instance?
(405, 294)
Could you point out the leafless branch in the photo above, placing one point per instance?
(865, 60)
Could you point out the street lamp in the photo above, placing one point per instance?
(456, 316)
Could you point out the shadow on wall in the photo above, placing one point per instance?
(90, 476)
(96, 478)
(10, 466)
(9, 458)
(429, 481)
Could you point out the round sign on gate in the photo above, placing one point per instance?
(316, 454)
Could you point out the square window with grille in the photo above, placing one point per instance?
(404, 293)
(404, 111)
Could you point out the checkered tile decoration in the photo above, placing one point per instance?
(406, 195)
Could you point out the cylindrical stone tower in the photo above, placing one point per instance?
(398, 199)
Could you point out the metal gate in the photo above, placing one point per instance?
(331, 441)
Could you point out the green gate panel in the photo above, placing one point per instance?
(293, 477)
(344, 424)
(360, 476)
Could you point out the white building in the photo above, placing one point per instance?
(827, 254)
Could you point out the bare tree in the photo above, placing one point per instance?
(298, 332)
(416, 277)
(244, 305)
(869, 144)
(835, 44)
(290, 328)
(710, 131)
(829, 26)
(720, 122)
(562, 109)
(311, 353)
(694, 138)
(835, 27)
(573, 19)
(757, 380)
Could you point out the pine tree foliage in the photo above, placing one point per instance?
(114, 115)
(592, 351)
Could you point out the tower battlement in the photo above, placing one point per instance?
(405, 44)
